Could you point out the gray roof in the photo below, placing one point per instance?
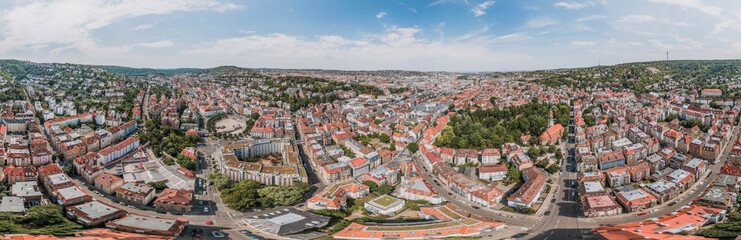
(716, 194)
(25, 189)
(71, 192)
(593, 186)
(96, 209)
(12, 204)
(144, 222)
(285, 220)
(137, 188)
(59, 178)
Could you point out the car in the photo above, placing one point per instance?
(209, 223)
(553, 200)
(519, 235)
(160, 212)
(197, 235)
(253, 236)
(548, 213)
(712, 163)
(244, 231)
(641, 214)
(205, 209)
(198, 230)
(217, 234)
(475, 207)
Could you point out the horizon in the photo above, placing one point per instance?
(442, 35)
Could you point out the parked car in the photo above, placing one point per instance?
(205, 209)
(641, 214)
(209, 223)
(548, 213)
(217, 234)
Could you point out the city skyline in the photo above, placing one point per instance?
(443, 35)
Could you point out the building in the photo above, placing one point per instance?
(108, 183)
(290, 171)
(135, 193)
(493, 172)
(71, 196)
(335, 195)
(696, 166)
(528, 193)
(611, 159)
(19, 174)
(490, 156)
(617, 176)
(29, 191)
(551, 135)
(285, 220)
(12, 205)
(446, 221)
(712, 92)
(663, 190)
(384, 205)
(113, 153)
(717, 197)
(669, 227)
(148, 225)
(598, 206)
(635, 200)
(175, 200)
(94, 213)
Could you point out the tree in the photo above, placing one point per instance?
(513, 174)
(384, 138)
(413, 147)
(553, 168)
(43, 215)
(159, 186)
(385, 189)
(372, 186)
(7, 226)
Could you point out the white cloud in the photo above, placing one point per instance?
(479, 10)
(380, 15)
(142, 27)
(573, 5)
(158, 44)
(590, 18)
(540, 22)
(637, 19)
(583, 43)
(693, 4)
(397, 48)
(67, 24)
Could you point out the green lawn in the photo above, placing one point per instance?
(385, 201)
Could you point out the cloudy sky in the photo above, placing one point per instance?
(449, 35)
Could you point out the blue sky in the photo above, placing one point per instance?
(441, 35)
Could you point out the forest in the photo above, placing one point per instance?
(493, 127)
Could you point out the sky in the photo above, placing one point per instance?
(433, 35)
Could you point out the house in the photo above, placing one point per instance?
(490, 156)
(29, 191)
(135, 193)
(19, 174)
(57, 181)
(663, 190)
(174, 200)
(108, 183)
(639, 171)
(598, 206)
(12, 205)
(148, 225)
(94, 213)
(528, 193)
(493, 172)
(611, 159)
(71, 196)
(617, 176)
(696, 166)
(384, 205)
(335, 195)
(635, 200)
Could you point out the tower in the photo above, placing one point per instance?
(550, 118)
(667, 54)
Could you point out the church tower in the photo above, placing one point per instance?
(550, 118)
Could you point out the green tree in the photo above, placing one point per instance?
(385, 189)
(513, 174)
(159, 186)
(43, 215)
(413, 147)
(372, 186)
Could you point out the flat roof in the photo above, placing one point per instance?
(144, 222)
(12, 204)
(71, 192)
(96, 209)
(285, 220)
